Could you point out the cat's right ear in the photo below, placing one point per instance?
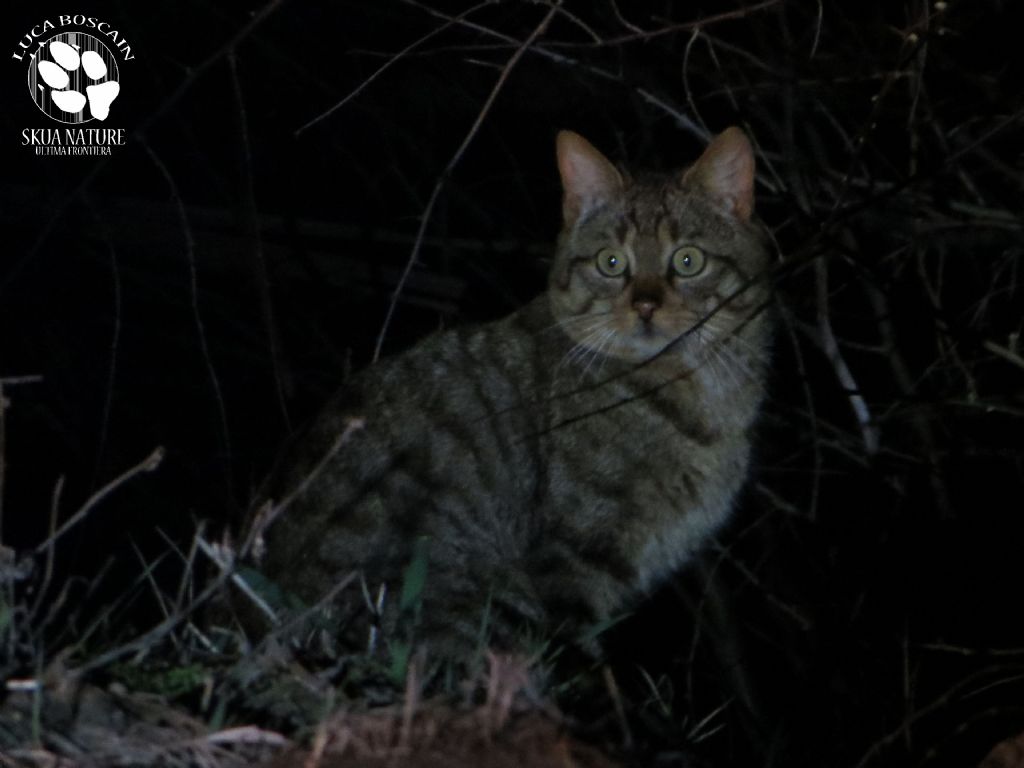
(589, 180)
(726, 171)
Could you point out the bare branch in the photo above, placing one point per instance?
(442, 180)
(826, 338)
(390, 62)
(148, 464)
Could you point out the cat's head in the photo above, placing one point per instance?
(645, 263)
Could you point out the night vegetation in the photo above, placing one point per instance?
(303, 186)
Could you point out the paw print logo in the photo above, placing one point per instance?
(73, 78)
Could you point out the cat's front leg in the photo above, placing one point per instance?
(583, 586)
(459, 603)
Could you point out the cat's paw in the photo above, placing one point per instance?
(58, 75)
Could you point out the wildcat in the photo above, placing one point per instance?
(549, 468)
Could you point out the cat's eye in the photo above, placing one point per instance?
(688, 261)
(611, 262)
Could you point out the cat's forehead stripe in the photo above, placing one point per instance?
(621, 231)
(634, 219)
(668, 229)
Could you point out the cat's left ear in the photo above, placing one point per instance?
(589, 180)
(726, 171)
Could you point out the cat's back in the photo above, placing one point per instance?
(453, 386)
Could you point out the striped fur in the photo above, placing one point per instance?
(560, 462)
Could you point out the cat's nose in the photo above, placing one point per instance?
(645, 308)
(647, 295)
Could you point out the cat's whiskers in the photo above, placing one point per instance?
(604, 358)
(752, 376)
(578, 349)
(713, 362)
(597, 351)
(588, 349)
(737, 355)
(595, 333)
(734, 340)
(726, 361)
(564, 323)
(582, 348)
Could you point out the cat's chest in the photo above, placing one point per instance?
(685, 523)
(649, 466)
(630, 416)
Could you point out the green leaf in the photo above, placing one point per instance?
(414, 578)
(399, 662)
(269, 591)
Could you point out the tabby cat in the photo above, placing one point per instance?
(549, 468)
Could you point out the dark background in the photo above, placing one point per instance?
(208, 285)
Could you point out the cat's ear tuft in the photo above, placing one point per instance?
(726, 171)
(589, 180)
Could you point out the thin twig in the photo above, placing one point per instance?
(1007, 354)
(44, 586)
(197, 317)
(624, 21)
(148, 464)
(669, 29)
(265, 518)
(246, 734)
(659, 102)
(389, 63)
(226, 567)
(827, 339)
(960, 650)
(12, 380)
(147, 575)
(115, 341)
(442, 179)
(620, 710)
(258, 258)
(147, 640)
